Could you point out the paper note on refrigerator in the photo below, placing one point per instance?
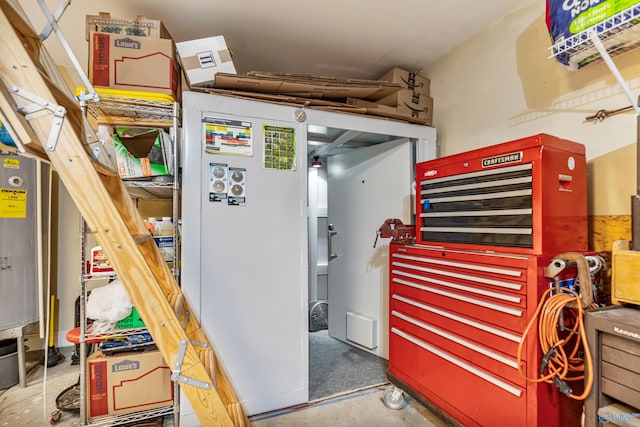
(279, 148)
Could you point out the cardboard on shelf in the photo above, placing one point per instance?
(126, 383)
(142, 152)
(133, 63)
(140, 26)
(371, 106)
(202, 59)
(306, 86)
(409, 112)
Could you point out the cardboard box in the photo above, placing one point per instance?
(411, 104)
(126, 383)
(408, 80)
(410, 113)
(133, 63)
(201, 59)
(423, 111)
(143, 152)
(406, 97)
(140, 26)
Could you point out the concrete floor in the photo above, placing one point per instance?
(363, 408)
(33, 405)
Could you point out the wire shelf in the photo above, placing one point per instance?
(131, 418)
(618, 33)
(149, 189)
(120, 107)
(116, 333)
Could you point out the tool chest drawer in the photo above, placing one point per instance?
(460, 388)
(493, 267)
(613, 334)
(479, 354)
(493, 291)
(620, 369)
(467, 328)
(493, 207)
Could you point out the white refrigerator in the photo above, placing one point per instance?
(244, 242)
(245, 235)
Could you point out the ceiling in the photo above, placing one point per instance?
(359, 39)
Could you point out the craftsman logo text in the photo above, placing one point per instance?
(501, 160)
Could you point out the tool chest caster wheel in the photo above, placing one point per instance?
(393, 398)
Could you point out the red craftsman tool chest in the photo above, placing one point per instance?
(488, 221)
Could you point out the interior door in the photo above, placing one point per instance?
(365, 187)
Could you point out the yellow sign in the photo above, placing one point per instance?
(13, 203)
(11, 163)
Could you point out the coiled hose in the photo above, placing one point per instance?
(561, 360)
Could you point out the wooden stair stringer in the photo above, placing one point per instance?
(110, 213)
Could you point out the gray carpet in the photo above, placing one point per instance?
(336, 367)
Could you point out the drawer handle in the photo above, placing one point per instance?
(460, 319)
(474, 301)
(487, 172)
(477, 279)
(512, 363)
(505, 297)
(503, 271)
(459, 363)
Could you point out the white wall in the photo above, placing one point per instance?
(501, 86)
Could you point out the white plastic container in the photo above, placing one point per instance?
(164, 239)
(151, 224)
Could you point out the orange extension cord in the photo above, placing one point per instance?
(563, 363)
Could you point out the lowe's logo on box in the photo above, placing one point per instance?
(125, 365)
(127, 43)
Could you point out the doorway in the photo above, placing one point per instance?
(335, 366)
(351, 193)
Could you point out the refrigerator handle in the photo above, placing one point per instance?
(330, 235)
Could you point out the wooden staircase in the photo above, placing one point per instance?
(56, 133)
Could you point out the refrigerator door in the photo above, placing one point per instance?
(244, 242)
